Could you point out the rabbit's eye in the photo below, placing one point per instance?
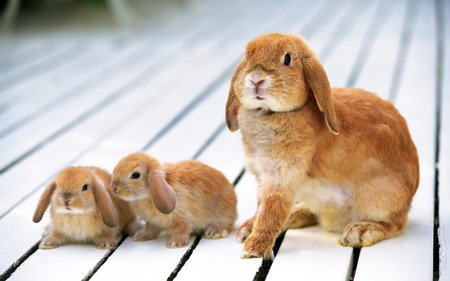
(85, 187)
(287, 60)
(135, 175)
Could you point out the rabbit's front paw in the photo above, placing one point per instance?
(257, 247)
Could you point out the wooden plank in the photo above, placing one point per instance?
(444, 153)
(52, 58)
(311, 254)
(58, 263)
(331, 37)
(19, 233)
(340, 59)
(60, 85)
(410, 256)
(329, 22)
(19, 50)
(377, 74)
(191, 130)
(226, 154)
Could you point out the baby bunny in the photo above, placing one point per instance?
(84, 209)
(340, 157)
(182, 198)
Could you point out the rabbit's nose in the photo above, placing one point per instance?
(257, 84)
(116, 188)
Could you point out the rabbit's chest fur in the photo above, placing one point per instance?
(79, 227)
(279, 153)
(274, 148)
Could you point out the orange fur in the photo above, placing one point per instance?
(345, 155)
(92, 215)
(205, 199)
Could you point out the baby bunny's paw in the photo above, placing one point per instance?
(177, 244)
(144, 235)
(245, 230)
(242, 233)
(178, 241)
(49, 242)
(107, 244)
(215, 232)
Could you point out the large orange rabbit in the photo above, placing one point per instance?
(340, 157)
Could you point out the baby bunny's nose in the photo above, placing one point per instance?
(67, 195)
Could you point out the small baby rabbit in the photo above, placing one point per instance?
(84, 209)
(182, 198)
(340, 157)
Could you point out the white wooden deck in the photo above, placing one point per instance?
(90, 100)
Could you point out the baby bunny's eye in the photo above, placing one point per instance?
(85, 187)
(287, 60)
(135, 175)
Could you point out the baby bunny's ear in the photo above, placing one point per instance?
(233, 102)
(104, 203)
(162, 193)
(44, 201)
(317, 80)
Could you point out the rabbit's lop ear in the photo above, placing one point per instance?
(233, 102)
(162, 193)
(317, 80)
(44, 201)
(104, 203)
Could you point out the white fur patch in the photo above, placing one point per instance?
(71, 211)
(319, 194)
